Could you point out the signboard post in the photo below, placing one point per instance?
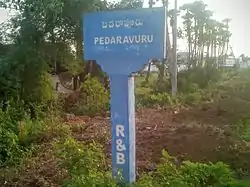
(122, 42)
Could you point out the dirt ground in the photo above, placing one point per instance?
(195, 134)
(186, 134)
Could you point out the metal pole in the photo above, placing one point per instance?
(174, 65)
(150, 3)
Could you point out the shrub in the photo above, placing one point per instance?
(9, 147)
(18, 132)
(192, 98)
(197, 78)
(161, 86)
(188, 174)
(195, 85)
(94, 99)
(85, 164)
(242, 128)
(38, 131)
(154, 99)
(237, 156)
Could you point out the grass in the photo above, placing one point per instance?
(229, 94)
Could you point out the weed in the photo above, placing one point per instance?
(93, 99)
(85, 164)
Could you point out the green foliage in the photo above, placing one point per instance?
(201, 31)
(188, 174)
(242, 128)
(243, 183)
(157, 99)
(151, 99)
(87, 167)
(24, 81)
(93, 99)
(19, 132)
(192, 98)
(197, 78)
(42, 33)
(217, 174)
(85, 164)
(161, 86)
(197, 86)
(10, 84)
(9, 147)
(9, 140)
(237, 156)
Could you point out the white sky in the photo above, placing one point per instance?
(238, 11)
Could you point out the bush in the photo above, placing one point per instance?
(188, 174)
(9, 142)
(154, 99)
(85, 164)
(192, 98)
(195, 85)
(242, 128)
(9, 147)
(167, 100)
(94, 99)
(18, 133)
(24, 76)
(197, 78)
(161, 86)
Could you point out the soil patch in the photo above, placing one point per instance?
(177, 132)
(39, 170)
(185, 134)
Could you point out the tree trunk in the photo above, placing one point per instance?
(189, 45)
(161, 71)
(202, 52)
(208, 50)
(195, 40)
(148, 72)
(196, 45)
(215, 49)
(212, 48)
(75, 82)
(202, 44)
(165, 60)
(226, 51)
(91, 68)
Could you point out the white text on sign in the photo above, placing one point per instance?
(120, 146)
(122, 23)
(134, 39)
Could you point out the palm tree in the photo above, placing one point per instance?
(204, 16)
(167, 43)
(244, 58)
(227, 34)
(151, 3)
(203, 32)
(188, 28)
(209, 26)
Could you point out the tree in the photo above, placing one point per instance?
(227, 34)
(46, 35)
(204, 34)
(188, 29)
(58, 25)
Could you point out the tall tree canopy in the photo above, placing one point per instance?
(45, 34)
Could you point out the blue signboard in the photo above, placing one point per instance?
(122, 42)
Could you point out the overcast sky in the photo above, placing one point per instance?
(238, 11)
